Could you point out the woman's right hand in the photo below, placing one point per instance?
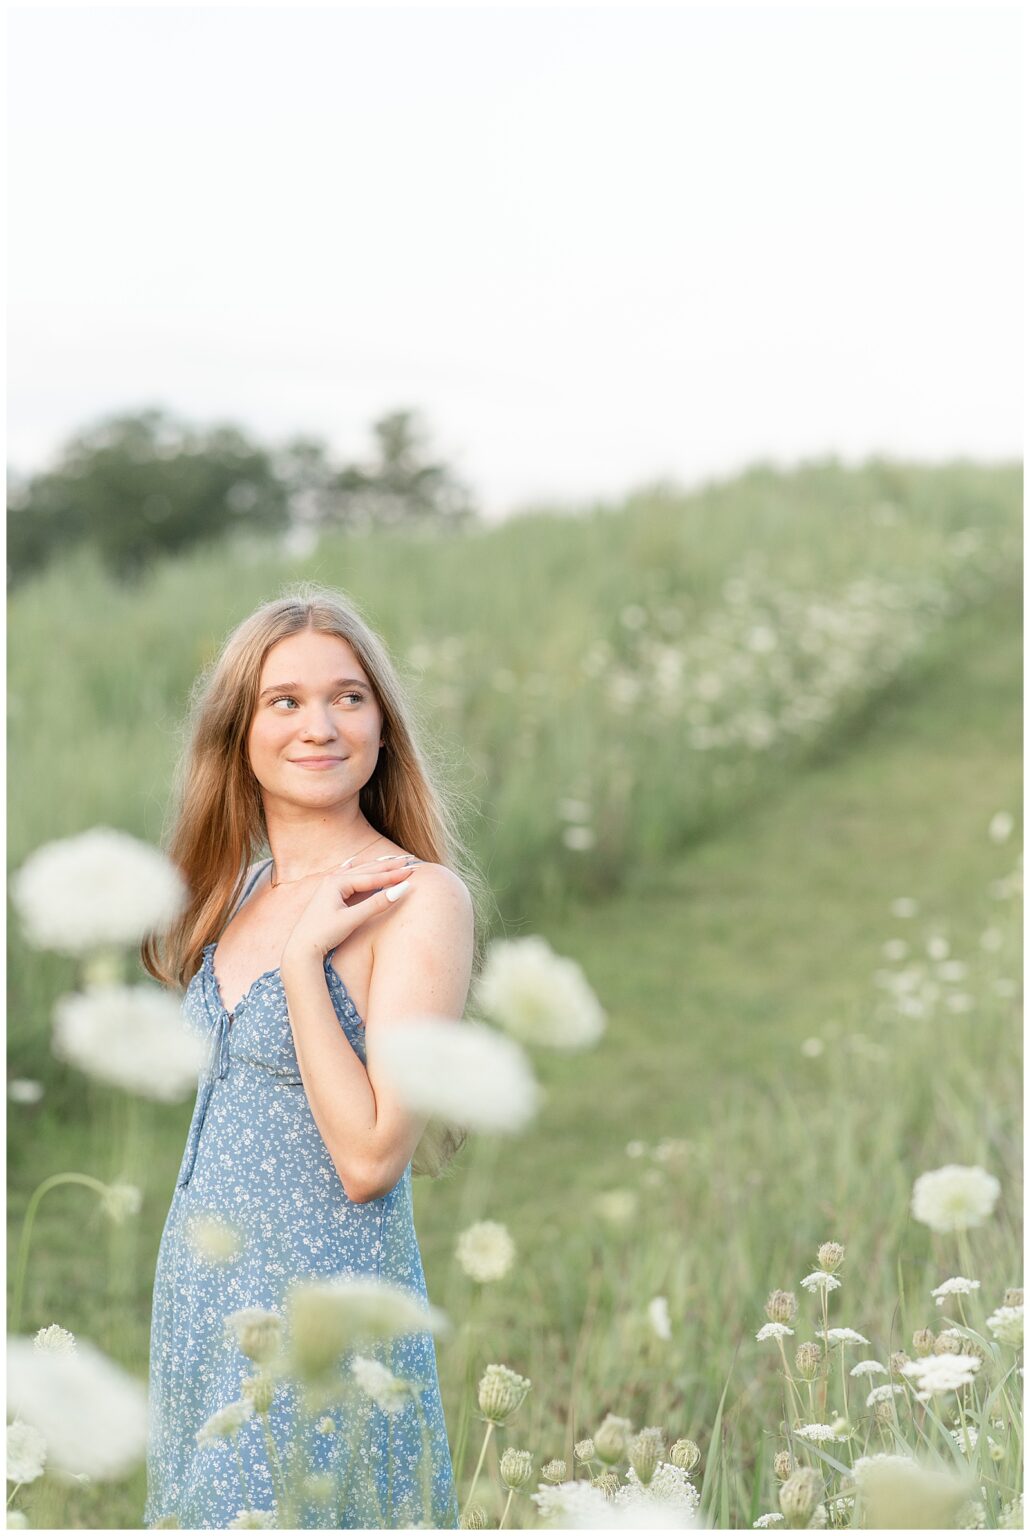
(328, 919)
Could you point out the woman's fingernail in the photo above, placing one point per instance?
(395, 890)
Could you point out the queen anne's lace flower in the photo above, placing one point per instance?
(463, 1073)
(537, 996)
(842, 1336)
(955, 1197)
(773, 1331)
(485, 1251)
(819, 1432)
(55, 1339)
(26, 1452)
(820, 1280)
(386, 1390)
(132, 1037)
(92, 1414)
(1007, 1325)
(942, 1373)
(954, 1287)
(884, 1394)
(99, 889)
(225, 1421)
(868, 1368)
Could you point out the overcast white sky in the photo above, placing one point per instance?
(591, 245)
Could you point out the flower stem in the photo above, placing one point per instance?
(479, 1466)
(22, 1261)
(511, 1495)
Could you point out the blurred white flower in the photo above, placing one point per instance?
(485, 1251)
(616, 1205)
(813, 1046)
(26, 1452)
(225, 1422)
(463, 1073)
(764, 1522)
(937, 947)
(537, 996)
(258, 1332)
(958, 1286)
(1000, 828)
(253, 1520)
(669, 1485)
(212, 1238)
(121, 1201)
(954, 1197)
(579, 839)
(580, 1506)
(904, 906)
(1007, 1326)
(894, 949)
(55, 1339)
(842, 1336)
(91, 1412)
(574, 810)
(387, 1391)
(941, 1373)
(100, 888)
(133, 1037)
(328, 1316)
(635, 1148)
(658, 1317)
(24, 1090)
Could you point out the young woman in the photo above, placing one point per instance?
(300, 740)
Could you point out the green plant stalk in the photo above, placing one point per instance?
(479, 1465)
(21, 1263)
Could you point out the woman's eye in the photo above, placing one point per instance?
(287, 697)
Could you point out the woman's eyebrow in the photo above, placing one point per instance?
(341, 682)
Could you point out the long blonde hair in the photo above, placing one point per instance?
(217, 821)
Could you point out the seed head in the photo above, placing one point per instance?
(516, 1468)
(553, 1471)
(1013, 1297)
(645, 1451)
(610, 1440)
(883, 1408)
(783, 1465)
(685, 1455)
(501, 1392)
(608, 1482)
(474, 1518)
(897, 1360)
(584, 1450)
(806, 1360)
(949, 1342)
(922, 1341)
(799, 1495)
(831, 1257)
(782, 1307)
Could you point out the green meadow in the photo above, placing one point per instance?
(702, 743)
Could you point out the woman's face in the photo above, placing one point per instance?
(314, 701)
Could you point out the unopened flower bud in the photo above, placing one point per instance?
(474, 1518)
(584, 1450)
(973, 1347)
(516, 1468)
(645, 1451)
(783, 1465)
(608, 1482)
(1013, 1297)
(685, 1455)
(922, 1341)
(781, 1307)
(501, 1392)
(883, 1408)
(799, 1496)
(831, 1257)
(553, 1471)
(610, 1440)
(257, 1331)
(806, 1360)
(897, 1360)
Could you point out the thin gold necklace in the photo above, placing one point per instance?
(274, 882)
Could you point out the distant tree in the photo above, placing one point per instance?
(399, 486)
(138, 486)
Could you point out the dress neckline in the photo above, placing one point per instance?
(332, 976)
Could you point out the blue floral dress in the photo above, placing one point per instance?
(255, 1160)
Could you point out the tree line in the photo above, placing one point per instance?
(140, 485)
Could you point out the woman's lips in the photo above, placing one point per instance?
(317, 762)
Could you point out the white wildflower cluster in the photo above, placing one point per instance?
(100, 889)
(773, 1331)
(841, 1336)
(956, 1286)
(389, 1392)
(669, 1485)
(1006, 1323)
(954, 1198)
(26, 1452)
(934, 1374)
(820, 1280)
(131, 1037)
(818, 1433)
(464, 1074)
(868, 1368)
(883, 1394)
(91, 1413)
(538, 997)
(485, 1251)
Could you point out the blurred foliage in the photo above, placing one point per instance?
(136, 486)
